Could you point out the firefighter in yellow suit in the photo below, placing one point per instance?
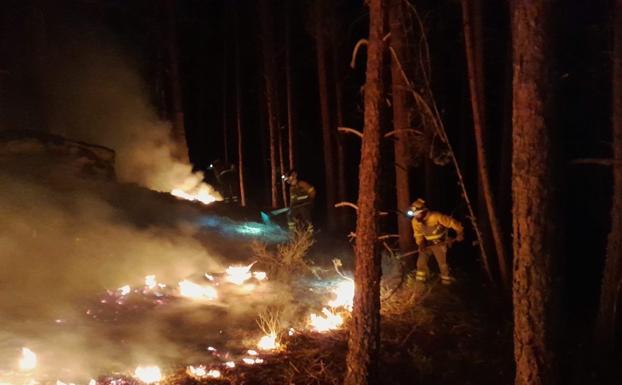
(431, 235)
(301, 198)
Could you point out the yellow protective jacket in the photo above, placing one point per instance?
(434, 227)
(301, 193)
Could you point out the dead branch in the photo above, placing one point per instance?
(403, 131)
(355, 207)
(348, 130)
(347, 204)
(597, 161)
(356, 50)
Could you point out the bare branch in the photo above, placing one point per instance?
(356, 50)
(597, 161)
(348, 130)
(347, 204)
(402, 131)
(355, 207)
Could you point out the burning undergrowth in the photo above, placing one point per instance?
(90, 291)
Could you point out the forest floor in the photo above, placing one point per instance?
(431, 334)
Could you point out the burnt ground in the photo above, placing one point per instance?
(430, 335)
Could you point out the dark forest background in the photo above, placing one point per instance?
(207, 34)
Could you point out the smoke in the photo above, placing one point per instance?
(65, 243)
(94, 93)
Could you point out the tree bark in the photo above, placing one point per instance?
(364, 339)
(178, 130)
(606, 331)
(476, 81)
(327, 132)
(238, 111)
(399, 90)
(532, 193)
(271, 97)
(288, 87)
(339, 120)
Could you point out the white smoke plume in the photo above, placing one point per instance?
(96, 95)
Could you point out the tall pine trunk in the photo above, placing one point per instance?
(339, 120)
(364, 339)
(178, 130)
(270, 95)
(238, 112)
(327, 131)
(532, 193)
(400, 92)
(288, 86)
(476, 82)
(612, 275)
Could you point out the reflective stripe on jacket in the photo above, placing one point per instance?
(434, 227)
(301, 193)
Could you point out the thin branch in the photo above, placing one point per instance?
(356, 50)
(347, 204)
(348, 130)
(402, 131)
(597, 161)
(355, 207)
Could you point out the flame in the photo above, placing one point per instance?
(252, 361)
(252, 352)
(329, 321)
(238, 274)
(92, 382)
(150, 281)
(230, 364)
(124, 290)
(344, 295)
(199, 372)
(268, 342)
(148, 374)
(192, 290)
(204, 194)
(28, 360)
(260, 275)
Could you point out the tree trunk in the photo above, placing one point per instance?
(238, 111)
(532, 193)
(612, 275)
(288, 87)
(271, 97)
(339, 120)
(476, 81)
(327, 132)
(225, 130)
(364, 339)
(178, 131)
(400, 93)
